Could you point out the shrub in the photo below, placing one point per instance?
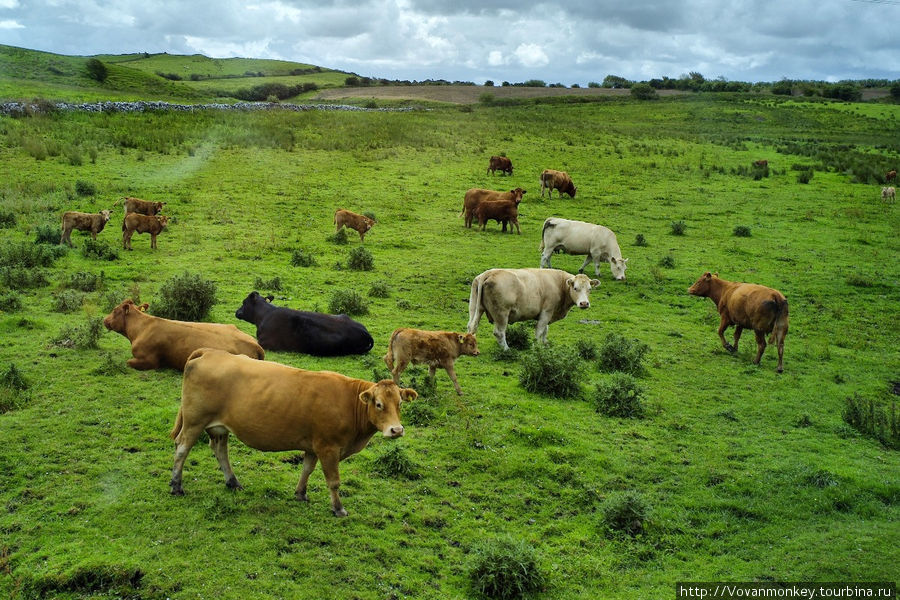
(339, 238)
(85, 188)
(97, 70)
(678, 227)
(98, 250)
(586, 349)
(380, 289)
(7, 219)
(348, 302)
(11, 399)
(505, 568)
(518, 336)
(82, 336)
(10, 301)
(618, 353)
(626, 512)
(639, 240)
(619, 396)
(486, 98)
(36, 148)
(804, 176)
(643, 91)
(110, 365)
(26, 255)
(741, 231)
(67, 301)
(22, 278)
(420, 414)
(13, 379)
(395, 463)
(667, 262)
(186, 297)
(73, 155)
(873, 419)
(360, 260)
(47, 234)
(273, 284)
(301, 258)
(553, 371)
(84, 281)
(424, 384)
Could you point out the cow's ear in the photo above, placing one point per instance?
(570, 282)
(408, 394)
(595, 283)
(624, 260)
(366, 396)
(143, 307)
(716, 274)
(707, 275)
(269, 298)
(461, 338)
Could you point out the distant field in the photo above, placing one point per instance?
(468, 94)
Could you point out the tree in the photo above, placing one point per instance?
(782, 88)
(488, 83)
(895, 90)
(615, 82)
(97, 70)
(643, 91)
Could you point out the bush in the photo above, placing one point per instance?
(301, 258)
(347, 302)
(85, 188)
(273, 284)
(667, 262)
(380, 289)
(486, 98)
(186, 297)
(424, 384)
(625, 512)
(639, 240)
(741, 231)
(13, 379)
(82, 336)
(804, 176)
(586, 349)
(518, 336)
(619, 396)
(643, 91)
(96, 70)
(360, 259)
(22, 278)
(678, 227)
(339, 238)
(28, 256)
(98, 250)
(618, 353)
(553, 371)
(47, 234)
(395, 463)
(110, 365)
(84, 281)
(67, 301)
(505, 568)
(7, 219)
(10, 301)
(874, 420)
(420, 414)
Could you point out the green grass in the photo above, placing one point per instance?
(731, 487)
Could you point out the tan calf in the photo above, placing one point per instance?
(92, 222)
(434, 348)
(475, 196)
(142, 207)
(138, 223)
(361, 223)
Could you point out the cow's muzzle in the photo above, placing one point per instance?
(394, 431)
(584, 304)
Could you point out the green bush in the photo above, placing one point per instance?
(394, 462)
(22, 278)
(7, 219)
(552, 370)
(10, 301)
(96, 70)
(519, 336)
(741, 231)
(86, 282)
(27, 255)
(340, 238)
(618, 353)
(347, 302)
(667, 262)
(13, 379)
(420, 414)
(302, 258)
(360, 259)
(186, 297)
(82, 336)
(805, 176)
(420, 381)
(98, 250)
(46, 234)
(85, 188)
(586, 349)
(640, 240)
(273, 285)
(678, 227)
(67, 301)
(873, 419)
(380, 289)
(619, 396)
(505, 568)
(625, 512)
(643, 91)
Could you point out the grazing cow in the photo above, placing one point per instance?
(502, 211)
(136, 222)
(890, 175)
(746, 305)
(273, 407)
(92, 222)
(157, 342)
(511, 295)
(500, 163)
(578, 237)
(434, 348)
(556, 180)
(142, 207)
(761, 163)
(360, 223)
(281, 328)
(476, 196)
(888, 193)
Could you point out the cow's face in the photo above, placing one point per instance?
(115, 321)
(571, 191)
(105, 215)
(247, 311)
(383, 402)
(368, 223)
(618, 266)
(701, 286)
(517, 194)
(467, 344)
(580, 287)
(163, 221)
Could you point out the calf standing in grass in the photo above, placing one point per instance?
(888, 193)
(92, 222)
(361, 223)
(746, 305)
(143, 207)
(434, 348)
(135, 222)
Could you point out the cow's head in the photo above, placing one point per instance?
(115, 321)
(467, 344)
(580, 287)
(702, 286)
(105, 214)
(369, 222)
(571, 190)
(618, 266)
(250, 307)
(163, 221)
(383, 402)
(517, 194)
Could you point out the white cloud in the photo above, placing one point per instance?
(9, 4)
(532, 55)
(495, 58)
(10, 24)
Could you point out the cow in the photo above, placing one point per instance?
(142, 207)
(511, 295)
(761, 163)
(136, 222)
(500, 163)
(556, 180)
(92, 222)
(361, 223)
(577, 237)
(503, 211)
(273, 407)
(746, 305)
(157, 343)
(281, 328)
(890, 175)
(476, 196)
(888, 193)
(434, 348)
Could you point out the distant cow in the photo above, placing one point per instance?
(500, 163)
(577, 237)
(476, 196)
(158, 343)
(511, 295)
(503, 211)
(361, 223)
(434, 348)
(890, 175)
(138, 223)
(556, 180)
(273, 407)
(92, 222)
(761, 163)
(746, 305)
(142, 207)
(281, 328)
(888, 193)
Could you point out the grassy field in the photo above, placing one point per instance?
(736, 473)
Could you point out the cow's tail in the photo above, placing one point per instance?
(179, 422)
(781, 321)
(389, 357)
(548, 223)
(475, 306)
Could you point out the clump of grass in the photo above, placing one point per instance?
(667, 262)
(640, 240)
(10, 301)
(340, 238)
(873, 419)
(420, 414)
(98, 250)
(380, 289)
(420, 381)
(859, 281)
(360, 259)
(116, 581)
(86, 282)
(13, 379)
(29, 256)
(820, 478)
(7, 219)
(741, 231)
(186, 297)
(618, 353)
(273, 284)
(302, 258)
(505, 568)
(553, 371)
(46, 234)
(348, 302)
(805, 176)
(109, 365)
(619, 396)
(394, 462)
(85, 188)
(80, 337)
(67, 301)
(518, 336)
(22, 278)
(625, 512)
(586, 349)
(678, 227)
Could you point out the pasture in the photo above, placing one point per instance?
(740, 474)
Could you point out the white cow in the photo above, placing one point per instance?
(887, 193)
(578, 237)
(512, 295)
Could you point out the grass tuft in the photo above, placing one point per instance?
(505, 568)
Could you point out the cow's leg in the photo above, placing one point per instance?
(723, 325)
(452, 373)
(126, 240)
(362, 236)
(545, 257)
(584, 265)
(738, 330)
(218, 442)
(183, 444)
(500, 323)
(153, 241)
(94, 235)
(309, 463)
(143, 363)
(399, 367)
(760, 345)
(329, 460)
(516, 223)
(540, 330)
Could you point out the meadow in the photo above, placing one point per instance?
(733, 473)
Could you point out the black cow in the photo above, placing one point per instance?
(280, 328)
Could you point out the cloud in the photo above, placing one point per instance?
(10, 24)
(531, 55)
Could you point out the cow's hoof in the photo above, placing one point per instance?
(730, 348)
(232, 484)
(178, 492)
(779, 370)
(340, 513)
(301, 497)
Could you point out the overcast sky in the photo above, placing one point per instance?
(557, 41)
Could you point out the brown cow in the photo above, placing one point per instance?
(557, 180)
(273, 407)
(755, 307)
(434, 348)
(142, 207)
(136, 222)
(502, 211)
(761, 163)
(889, 176)
(360, 223)
(500, 163)
(92, 222)
(476, 196)
(157, 342)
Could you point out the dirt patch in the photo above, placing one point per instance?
(467, 94)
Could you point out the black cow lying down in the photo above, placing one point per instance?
(280, 328)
